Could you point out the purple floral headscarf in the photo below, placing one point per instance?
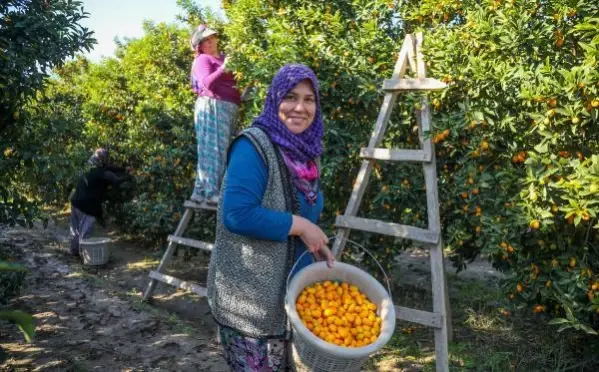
(297, 147)
(299, 150)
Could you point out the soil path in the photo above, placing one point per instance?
(93, 318)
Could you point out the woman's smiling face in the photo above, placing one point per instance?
(298, 107)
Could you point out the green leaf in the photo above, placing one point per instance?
(24, 321)
(588, 329)
(7, 266)
(558, 321)
(477, 115)
(563, 328)
(541, 148)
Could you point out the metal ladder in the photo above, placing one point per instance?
(440, 319)
(175, 239)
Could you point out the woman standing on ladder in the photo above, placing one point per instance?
(215, 112)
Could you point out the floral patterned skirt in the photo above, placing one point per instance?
(247, 354)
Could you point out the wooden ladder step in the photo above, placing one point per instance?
(203, 206)
(413, 84)
(190, 242)
(426, 318)
(388, 228)
(396, 155)
(171, 280)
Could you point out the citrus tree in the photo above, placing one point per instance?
(521, 154)
(139, 105)
(35, 37)
(515, 132)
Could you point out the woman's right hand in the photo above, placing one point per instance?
(314, 238)
(312, 235)
(225, 63)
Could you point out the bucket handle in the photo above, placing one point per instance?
(357, 245)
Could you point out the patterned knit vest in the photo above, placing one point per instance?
(247, 277)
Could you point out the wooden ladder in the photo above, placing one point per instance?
(440, 319)
(175, 239)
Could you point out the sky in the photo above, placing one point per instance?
(123, 18)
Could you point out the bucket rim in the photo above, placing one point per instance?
(95, 240)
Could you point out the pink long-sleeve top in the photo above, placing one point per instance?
(209, 79)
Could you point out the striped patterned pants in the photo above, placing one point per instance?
(214, 121)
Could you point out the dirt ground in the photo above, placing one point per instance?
(92, 318)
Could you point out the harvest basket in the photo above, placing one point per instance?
(311, 353)
(95, 251)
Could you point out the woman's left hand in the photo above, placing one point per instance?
(323, 254)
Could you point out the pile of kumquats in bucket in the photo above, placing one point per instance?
(339, 313)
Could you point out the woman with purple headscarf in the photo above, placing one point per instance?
(267, 222)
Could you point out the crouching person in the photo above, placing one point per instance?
(86, 200)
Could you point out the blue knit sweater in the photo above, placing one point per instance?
(243, 214)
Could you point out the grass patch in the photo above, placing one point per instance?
(146, 264)
(484, 339)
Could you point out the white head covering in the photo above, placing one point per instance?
(199, 34)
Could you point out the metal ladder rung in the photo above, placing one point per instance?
(396, 155)
(190, 242)
(388, 228)
(204, 206)
(171, 280)
(413, 84)
(426, 318)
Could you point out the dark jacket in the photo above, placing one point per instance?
(89, 193)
